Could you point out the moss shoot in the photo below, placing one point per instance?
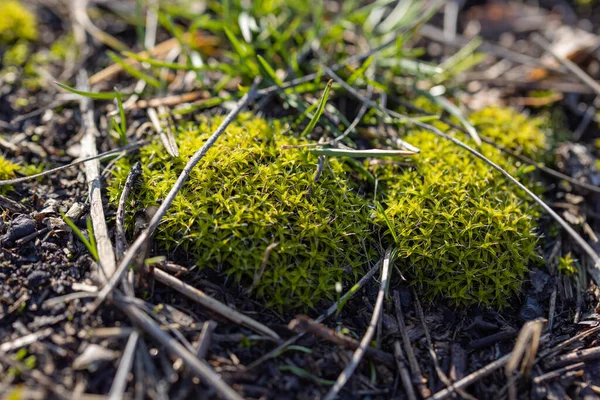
(16, 22)
(463, 233)
(248, 195)
(7, 171)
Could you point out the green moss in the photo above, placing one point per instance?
(247, 194)
(463, 233)
(7, 171)
(16, 55)
(16, 22)
(512, 130)
(566, 265)
(63, 47)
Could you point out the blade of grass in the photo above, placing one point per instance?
(313, 122)
(455, 112)
(123, 123)
(462, 54)
(305, 374)
(90, 229)
(134, 72)
(269, 70)
(333, 152)
(238, 47)
(361, 71)
(178, 67)
(91, 95)
(391, 227)
(89, 244)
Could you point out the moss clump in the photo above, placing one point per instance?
(7, 171)
(16, 55)
(463, 233)
(512, 130)
(247, 194)
(16, 22)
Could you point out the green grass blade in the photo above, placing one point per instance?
(90, 229)
(455, 112)
(412, 67)
(391, 227)
(269, 70)
(122, 131)
(360, 72)
(140, 28)
(305, 374)
(91, 247)
(466, 51)
(333, 152)
(179, 67)
(134, 72)
(313, 122)
(121, 112)
(238, 47)
(91, 95)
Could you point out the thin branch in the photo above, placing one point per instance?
(557, 373)
(121, 241)
(403, 371)
(580, 336)
(153, 224)
(471, 378)
(81, 16)
(303, 323)
(410, 352)
(106, 256)
(590, 354)
(570, 65)
(119, 384)
(199, 367)
(212, 304)
(524, 352)
(366, 340)
(123, 149)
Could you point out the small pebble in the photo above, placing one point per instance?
(530, 310)
(20, 227)
(37, 278)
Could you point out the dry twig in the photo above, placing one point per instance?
(212, 304)
(364, 343)
(524, 353)
(418, 378)
(120, 382)
(403, 371)
(303, 323)
(106, 256)
(199, 367)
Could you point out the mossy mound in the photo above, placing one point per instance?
(7, 171)
(463, 233)
(247, 194)
(16, 22)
